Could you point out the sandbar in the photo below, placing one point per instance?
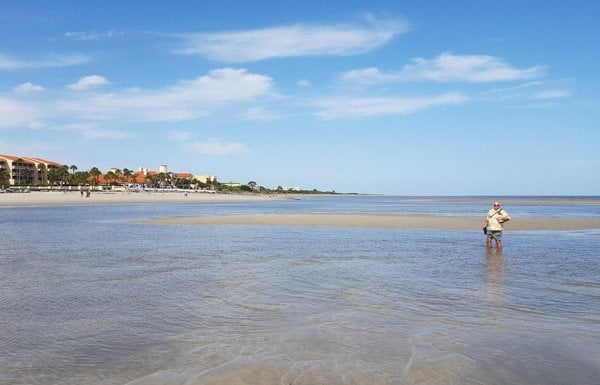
(379, 220)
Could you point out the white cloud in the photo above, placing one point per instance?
(10, 64)
(303, 83)
(448, 67)
(552, 94)
(88, 82)
(215, 146)
(340, 108)
(371, 75)
(186, 100)
(292, 41)
(28, 87)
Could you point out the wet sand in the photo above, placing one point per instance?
(380, 220)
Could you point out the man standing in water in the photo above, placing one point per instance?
(494, 220)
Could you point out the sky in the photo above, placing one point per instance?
(386, 97)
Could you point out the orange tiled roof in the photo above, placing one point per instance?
(48, 162)
(10, 157)
(31, 160)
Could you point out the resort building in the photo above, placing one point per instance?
(25, 171)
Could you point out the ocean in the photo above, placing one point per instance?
(88, 295)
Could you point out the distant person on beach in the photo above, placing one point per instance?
(493, 225)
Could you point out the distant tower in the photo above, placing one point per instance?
(163, 168)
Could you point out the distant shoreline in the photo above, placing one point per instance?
(57, 198)
(70, 198)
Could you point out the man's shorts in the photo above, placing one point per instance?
(495, 234)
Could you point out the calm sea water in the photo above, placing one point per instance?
(89, 297)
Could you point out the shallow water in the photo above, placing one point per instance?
(88, 297)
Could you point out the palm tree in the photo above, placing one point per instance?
(79, 178)
(128, 175)
(110, 176)
(95, 173)
(118, 176)
(152, 180)
(73, 168)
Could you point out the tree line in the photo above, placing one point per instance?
(70, 176)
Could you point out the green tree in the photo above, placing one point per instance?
(58, 175)
(110, 177)
(95, 174)
(80, 178)
(152, 180)
(4, 178)
(128, 175)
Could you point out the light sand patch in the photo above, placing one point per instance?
(371, 220)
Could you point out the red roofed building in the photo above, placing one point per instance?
(26, 171)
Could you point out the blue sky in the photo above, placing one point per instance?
(393, 97)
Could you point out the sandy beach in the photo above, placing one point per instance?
(56, 198)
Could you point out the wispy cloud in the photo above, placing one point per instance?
(552, 94)
(536, 90)
(187, 99)
(88, 82)
(15, 113)
(340, 108)
(215, 146)
(258, 114)
(303, 83)
(54, 61)
(180, 136)
(28, 87)
(210, 146)
(92, 35)
(293, 40)
(92, 132)
(448, 67)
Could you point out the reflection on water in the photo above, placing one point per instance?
(97, 300)
(494, 276)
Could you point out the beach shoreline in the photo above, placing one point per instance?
(71, 198)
